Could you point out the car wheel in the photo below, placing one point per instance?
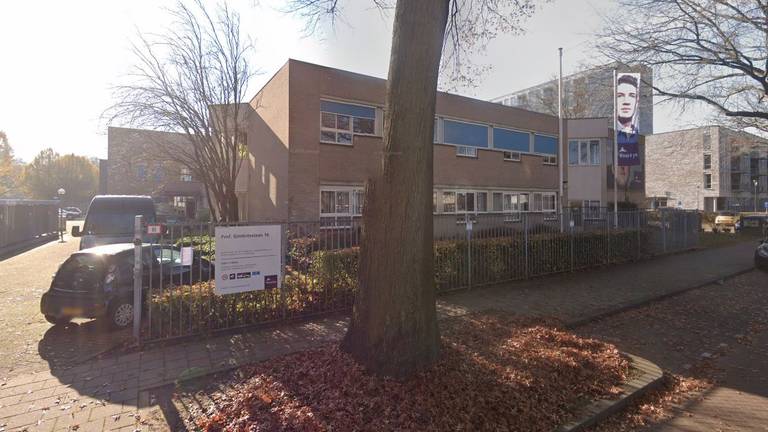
(120, 314)
(57, 320)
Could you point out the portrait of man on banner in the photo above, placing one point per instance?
(627, 113)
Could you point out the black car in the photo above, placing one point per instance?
(98, 282)
(761, 255)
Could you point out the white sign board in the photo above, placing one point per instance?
(186, 255)
(247, 258)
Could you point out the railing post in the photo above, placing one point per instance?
(137, 261)
(639, 237)
(525, 243)
(285, 246)
(663, 232)
(571, 235)
(616, 220)
(468, 228)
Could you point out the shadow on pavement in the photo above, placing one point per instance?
(64, 346)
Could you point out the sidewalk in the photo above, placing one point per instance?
(111, 393)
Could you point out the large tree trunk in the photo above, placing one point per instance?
(393, 330)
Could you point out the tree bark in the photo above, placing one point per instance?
(393, 330)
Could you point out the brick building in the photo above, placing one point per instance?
(137, 165)
(708, 168)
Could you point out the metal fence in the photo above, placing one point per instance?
(320, 263)
(23, 220)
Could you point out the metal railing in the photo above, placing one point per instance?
(320, 264)
(23, 220)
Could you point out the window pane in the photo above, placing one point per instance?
(511, 140)
(470, 201)
(449, 202)
(707, 161)
(342, 202)
(327, 202)
(497, 201)
(594, 152)
(342, 122)
(348, 109)
(328, 120)
(465, 134)
(359, 200)
(461, 201)
(327, 136)
(573, 152)
(482, 201)
(537, 202)
(363, 125)
(583, 153)
(344, 138)
(523, 202)
(545, 144)
(507, 202)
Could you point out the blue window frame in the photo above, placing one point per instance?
(465, 134)
(507, 139)
(545, 144)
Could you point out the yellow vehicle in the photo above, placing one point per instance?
(725, 221)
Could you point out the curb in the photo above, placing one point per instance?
(650, 377)
(642, 303)
(26, 245)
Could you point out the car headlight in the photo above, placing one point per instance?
(763, 251)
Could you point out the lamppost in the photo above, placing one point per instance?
(61, 193)
(754, 182)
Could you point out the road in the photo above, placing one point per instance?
(714, 342)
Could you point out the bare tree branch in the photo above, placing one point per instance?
(193, 79)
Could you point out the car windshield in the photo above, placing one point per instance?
(80, 273)
(112, 223)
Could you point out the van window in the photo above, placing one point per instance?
(117, 216)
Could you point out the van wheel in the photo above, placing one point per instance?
(120, 314)
(57, 320)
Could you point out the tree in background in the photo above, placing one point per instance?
(193, 79)
(710, 52)
(393, 330)
(10, 170)
(49, 171)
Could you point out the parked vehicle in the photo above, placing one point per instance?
(98, 282)
(753, 223)
(761, 255)
(72, 212)
(725, 221)
(110, 219)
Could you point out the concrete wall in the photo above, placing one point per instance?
(588, 182)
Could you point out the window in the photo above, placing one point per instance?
(537, 203)
(586, 152)
(707, 161)
(185, 174)
(482, 202)
(180, 202)
(466, 151)
(510, 140)
(550, 160)
(339, 205)
(465, 202)
(498, 198)
(544, 144)
(707, 141)
(549, 204)
(512, 156)
(340, 121)
(159, 173)
(523, 202)
(512, 207)
(735, 163)
(449, 202)
(707, 181)
(465, 134)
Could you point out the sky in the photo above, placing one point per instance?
(59, 60)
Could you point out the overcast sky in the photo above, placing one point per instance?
(59, 59)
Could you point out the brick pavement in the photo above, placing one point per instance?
(114, 392)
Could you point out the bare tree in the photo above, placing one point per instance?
(713, 52)
(193, 79)
(393, 330)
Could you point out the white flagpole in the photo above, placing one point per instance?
(615, 157)
(561, 152)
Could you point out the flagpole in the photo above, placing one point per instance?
(560, 159)
(615, 157)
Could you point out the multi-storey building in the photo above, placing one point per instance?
(586, 94)
(137, 165)
(315, 137)
(708, 168)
